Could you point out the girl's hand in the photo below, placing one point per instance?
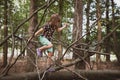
(66, 24)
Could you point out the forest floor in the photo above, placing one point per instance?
(20, 66)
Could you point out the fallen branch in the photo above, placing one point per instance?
(66, 75)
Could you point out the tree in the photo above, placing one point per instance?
(107, 41)
(33, 22)
(115, 40)
(60, 33)
(5, 46)
(87, 25)
(99, 32)
(77, 30)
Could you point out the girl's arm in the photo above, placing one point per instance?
(61, 28)
(39, 31)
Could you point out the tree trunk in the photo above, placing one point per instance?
(60, 33)
(98, 15)
(77, 30)
(115, 40)
(107, 41)
(88, 27)
(33, 23)
(5, 46)
(66, 75)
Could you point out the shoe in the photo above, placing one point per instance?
(51, 70)
(39, 52)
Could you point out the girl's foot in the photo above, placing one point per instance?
(39, 53)
(51, 69)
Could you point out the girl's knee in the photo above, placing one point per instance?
(51, 45)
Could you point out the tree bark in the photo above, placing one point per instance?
(33, 23)
(99, 35)
(60, 33)
(5, 46)
(77, 30)
(107, 41)
(66, 75)
(88, 27)
(115, 39)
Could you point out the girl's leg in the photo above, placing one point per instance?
(46, 47)
(50, 62)
(49, 59)
(39, 50)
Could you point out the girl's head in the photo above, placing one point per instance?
(55, 19)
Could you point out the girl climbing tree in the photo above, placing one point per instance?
(47, 32)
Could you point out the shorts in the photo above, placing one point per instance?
(44, 41)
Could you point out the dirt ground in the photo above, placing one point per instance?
(20, 66)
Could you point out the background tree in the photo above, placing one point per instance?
(99, 32)
(61, 5)
(87, 41)
(77, 30)
(5, 46)
(107, 41)
(33, 22)
(115, 40)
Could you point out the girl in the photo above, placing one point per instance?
(46, 34)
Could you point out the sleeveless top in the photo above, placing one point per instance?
(48, 31)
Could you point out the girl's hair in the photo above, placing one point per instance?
(54, 19)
